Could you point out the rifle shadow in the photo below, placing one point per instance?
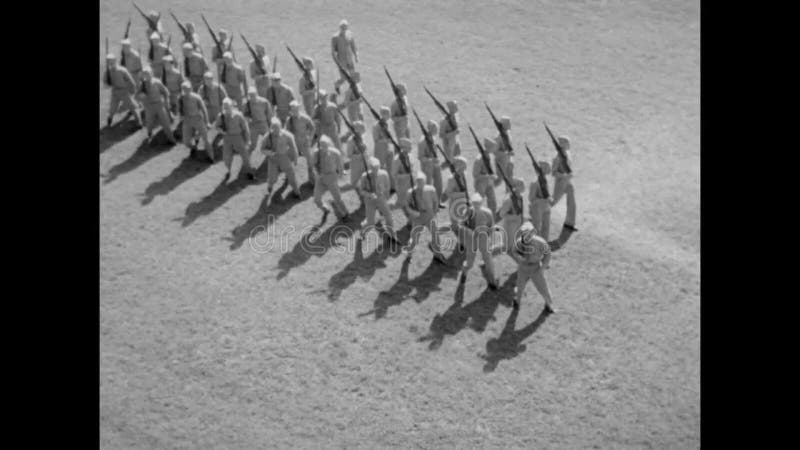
(509, 344)
(269, 210)
(422, 286)
(189, 167)
(475, 314)
(221, 194)
(118, 132)
(144, 152)
(318, 246)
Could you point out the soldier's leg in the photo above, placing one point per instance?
(272, 173)
(540, 282)
(245, 154)
(488, 260)
(413, 237)
(188, 132)
(491, 200)
(559, 188)
(203, 131)
(163, 120)
(288, 169)
(113, 104)
(383, 207)
(523, 275)
(470, 251)
(227, 154)
(355, 172)
(150, 118)
(319, 190)
(544, 228)
(337, 198)
(369, 211)
(437, 180)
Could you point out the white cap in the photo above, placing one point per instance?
(186, 85)
(343, 23)
(374, 163)
(275, 76)
(227, 102)
(155, 36)
(126, 41)
(274, 122)
(227, 55)
(111, 56)
(187, 46)
(420, 176)
(476, 198)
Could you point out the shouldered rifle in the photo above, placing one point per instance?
(397, 95)
(427, 134)
(516, 201)
(361, 149)
(560, 150)
(127, 28)
(275, 63)
(450, 118)
(186, 35)
(169, 44)
(317, 115)
(230, 48)
(462, 184)
(150, 23)
(220, 48)
(503, 133)
(384, 126)
(259, 61)
(353, 85)
(484, 156)
(539, 174)
(306, 72)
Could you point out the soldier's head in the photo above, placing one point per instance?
(228, 57)
(169, 60)
(294, 108)
(476, 199)
(420, 179)
(374, 164)
(405, 144)
(506, 122)
(526, 233)
(126, 44)
(275, 126)
(359, 127)
(227, 106)
(260, 50)
(518, 184)
(308, 63)
(356, 77)
(155, 38)
(402, 88)
(208, 78)
(325, 143)
(332, 97)
(343, 26)
(489, 144)
(187, 49)
(452, 106)
(252, 93)
(189, 27)
(545, 167)
(111, 60)
(276, 77)
(153, 15)
(386, 113)
(433, 127)
(461, 163)
(563, 141)
(223, 35)
(147, 73)
(186, 87)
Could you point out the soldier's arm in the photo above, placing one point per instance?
(310, 128)
(353, 46)
(333, 48)
(245, 129)
(164, 93)
(339, 164)
(292, 149)
(244, 80)
(203, 109)
(223, 91)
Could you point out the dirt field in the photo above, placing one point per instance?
(208, 342)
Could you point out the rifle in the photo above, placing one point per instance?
(275, 63)
(450, 118)
(153, 25)
(169, 44)
(186, 35)
(397, 95)
(259, 61)
(516, 201)
(456, 176)
(127, 28)
(426, 134)
(362, 149)
(482, 150)
(383, 125)
(503, 133)
(539, 174)
(318, 112)
(306, 72)
(560, 150)
(350, 81)
(213, 36)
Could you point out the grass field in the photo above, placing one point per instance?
(207, 342)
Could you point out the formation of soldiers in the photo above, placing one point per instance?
(267, 115)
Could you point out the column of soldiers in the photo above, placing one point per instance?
(266, 114)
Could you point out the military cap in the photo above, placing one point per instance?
(374, 163)
(420, 175)
(274, 122)
(476, 198)
(563, 141)
(155, 36)
(208, 75)
(294, 104)
(126, 41)
(251, 90)
(506, 122)
(343, 23)
(111, 56)
(187, 46)
(227, 55)
(460, 162)
(519, 184)
(275, 76)
(227, 102)
(168, 58)
(186, 85)
(385, 111)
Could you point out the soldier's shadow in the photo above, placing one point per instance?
(189, 167)
(475, 314)
(509, 344)
(421, 286)
(314, 244)
(361, 267)
(144, 152)
(118, 132)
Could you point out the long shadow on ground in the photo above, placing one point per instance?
(318, 245)
(221, 194)
(117, 132)
(189, 167)
(509, 344)
(475, 314)
(423, 285)
(158, 145)
(361, 267)
(269, 210)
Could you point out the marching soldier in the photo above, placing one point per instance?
(131, 60)
(233, 78)
(424, 216)
(540, 205)
(172, 78)
(328, 167)
(302, 127)
(511, 212)
(352, 100)
(354, 152)
(428, 160)
(260, 79)
(195, 120)
(343, 48)
(374, 188)
(236, 137)
(155, 18)
(477, 229)
(562, 178)
(194, 38)
(307, 86)
(402, 177)
(194, 66)
(217, 56)
(122, 87)
(381, 148)
(532, 254)
(258, 110)
(450, 142)
(484, 184)
(400, 121)
(155, 98)
(280, 97)
(281, 151)
(328, 120)
(502, 155)
(158, 49)
(454, 194)
(213, 95)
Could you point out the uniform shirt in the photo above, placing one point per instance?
(427, 202)
(445, 128)
(261, 79)
(192, 105)
(235, 125)
(328, 161)
(534, 192)
(506, 208)
(558, 169)
(213, 96)
(131, 60)
(398, 168)
(307, 88)
(216, 56)
(380, 137)
(232, 75)
(355, 153)
(500, 144)
(172, 79)
(395, 108)
(482, 218)
(154, 92)
(381, 183)
(120, 79)
(157, 53)
(344, 47)
(194, 65)
(258, 111)
(283, 96)
(328, 116)
(282, 145)
(302, 127)
(479, 171)
(424, 151)
(452, 191)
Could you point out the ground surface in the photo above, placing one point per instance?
(208, 342)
